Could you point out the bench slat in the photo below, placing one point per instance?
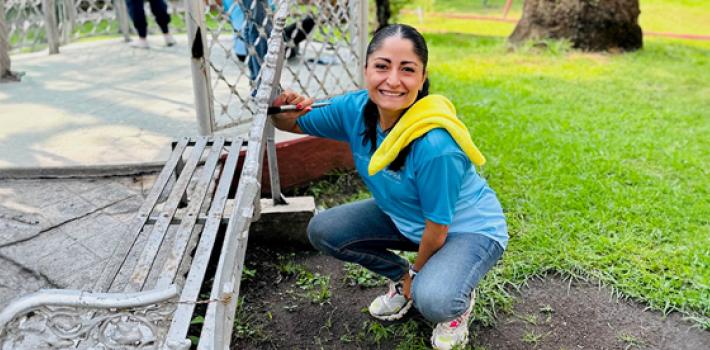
(122, 250)
(182, 237)
(156, 237)
(191, 289)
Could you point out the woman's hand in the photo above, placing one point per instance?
(287, 120)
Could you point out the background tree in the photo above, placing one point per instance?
(384, 12)
(595, 25)
(388, 10)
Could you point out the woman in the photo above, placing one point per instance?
(429, 198)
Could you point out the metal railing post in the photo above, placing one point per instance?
(199, 55)
(50, 25)
(123, 20)
(68, 20)
(276, 195)
(362, 47)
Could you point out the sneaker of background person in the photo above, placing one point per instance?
(390, 306)
(140, 43)
(450, 334)
(169, 40)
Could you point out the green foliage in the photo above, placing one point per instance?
(379, 332)
(629, 341)
(287, 266)
(317, 286)
(396, 7)
(248, 274)
(357, 275)
(531, 337)
(246, 326)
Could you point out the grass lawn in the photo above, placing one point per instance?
(601, 161)
(675, 16)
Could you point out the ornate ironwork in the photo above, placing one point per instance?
(85, 328)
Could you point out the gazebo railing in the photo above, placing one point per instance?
(325, 42)
(28, 27)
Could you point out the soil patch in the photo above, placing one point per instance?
(555, 314)
(304, 300)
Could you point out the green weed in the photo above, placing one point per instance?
(248, 274)
(287, 266)
(356, 275)
(317, 286)
(378, 332)
(531, 337)
(530, 319)
(246, 326)
(629, 341)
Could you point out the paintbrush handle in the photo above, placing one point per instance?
(290, 108)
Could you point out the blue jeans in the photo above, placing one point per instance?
(361, 233)
(255, 18)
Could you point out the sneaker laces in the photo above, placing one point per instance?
(394, 289)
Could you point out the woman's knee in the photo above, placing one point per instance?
(438, 304)
(318, 232)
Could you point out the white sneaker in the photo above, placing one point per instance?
(169, 40)
(453, 333)
(390, 306)
(141, 43)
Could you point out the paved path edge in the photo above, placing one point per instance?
(82, 171)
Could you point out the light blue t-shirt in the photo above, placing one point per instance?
(438, 181)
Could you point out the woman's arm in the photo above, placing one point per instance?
(287, 121)
(433, 239)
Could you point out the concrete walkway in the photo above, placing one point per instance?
(60, 233)
(97, 104)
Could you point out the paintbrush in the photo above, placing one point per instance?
(291, 108)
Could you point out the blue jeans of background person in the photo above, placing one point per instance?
(255, 17)
(361, 233)
(137, 13)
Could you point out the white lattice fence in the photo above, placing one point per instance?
(28, 27)
(24, 23)
(325, 44)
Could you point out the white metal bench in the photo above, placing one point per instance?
(143, 299)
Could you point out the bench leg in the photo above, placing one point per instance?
(276, 195)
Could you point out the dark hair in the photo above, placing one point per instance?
(370, 112)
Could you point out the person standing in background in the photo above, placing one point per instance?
(137, 13)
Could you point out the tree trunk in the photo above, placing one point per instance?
(383, 13)
(594, 25)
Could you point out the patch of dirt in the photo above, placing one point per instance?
(283, 307)
(279, 311)
(554, 314)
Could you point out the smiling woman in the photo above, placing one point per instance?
(417, 159)
(395, 74)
